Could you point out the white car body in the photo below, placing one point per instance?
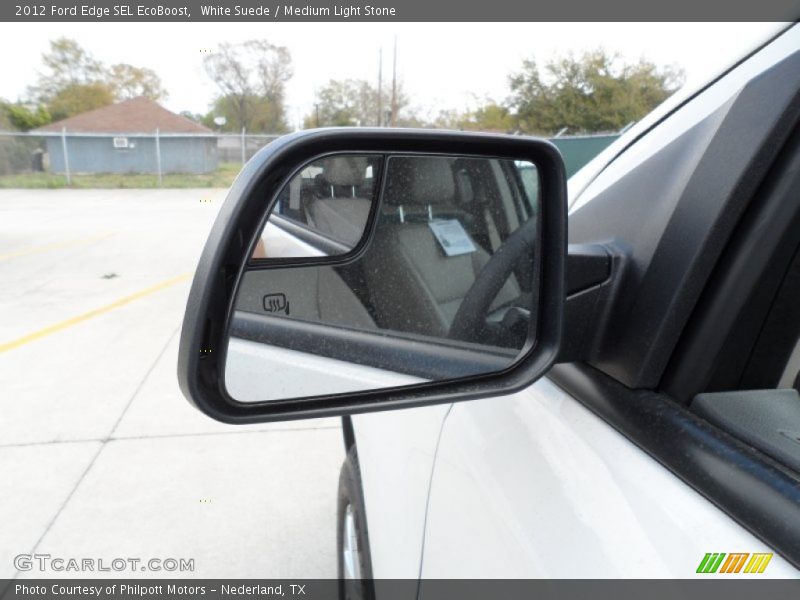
(532, 484)
(538, 483)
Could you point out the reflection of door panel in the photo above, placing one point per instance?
(427, 357)
(279, 243)
(535, 485)
(258, 371)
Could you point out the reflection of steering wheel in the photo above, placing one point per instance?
(469, 322)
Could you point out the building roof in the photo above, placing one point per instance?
(138, 115)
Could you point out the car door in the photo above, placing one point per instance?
(552, 481)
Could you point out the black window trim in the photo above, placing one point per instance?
(730, 315)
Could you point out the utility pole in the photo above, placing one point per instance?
(394, 85)
(380, 87)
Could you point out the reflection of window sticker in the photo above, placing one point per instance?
(452, 237)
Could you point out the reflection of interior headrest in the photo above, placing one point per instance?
(345, 170)
(419, 180)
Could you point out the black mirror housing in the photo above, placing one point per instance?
(207, 320)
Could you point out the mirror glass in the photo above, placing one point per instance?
(432, 276)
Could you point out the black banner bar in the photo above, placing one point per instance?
(745, 587)
(401, 11)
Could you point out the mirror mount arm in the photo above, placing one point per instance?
(593, 273)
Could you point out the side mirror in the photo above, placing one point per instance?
(354, 270)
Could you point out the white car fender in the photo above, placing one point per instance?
(536, 485)
(396, 452)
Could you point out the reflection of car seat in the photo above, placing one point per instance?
(413, 285)
(338, 212)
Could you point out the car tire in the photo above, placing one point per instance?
(352, 545)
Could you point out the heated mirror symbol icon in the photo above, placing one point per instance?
(275, 303)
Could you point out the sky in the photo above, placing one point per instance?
(442, 65)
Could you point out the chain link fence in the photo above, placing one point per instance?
(36, 159)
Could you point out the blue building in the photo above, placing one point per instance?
(134, 136)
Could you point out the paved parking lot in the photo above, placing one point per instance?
(100, 455)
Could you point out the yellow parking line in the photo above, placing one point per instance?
(54, 246)
(92, 313)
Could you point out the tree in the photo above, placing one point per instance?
(273, 68)
(127, 81)
(196, 117)
(16, 153)
(251, 77)
(79, 98)
(262, 116)
(66, 65)
(344, 103)
(349, 102)
(490, 116)
(593, 93)
(73, 81)
(21, 117)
